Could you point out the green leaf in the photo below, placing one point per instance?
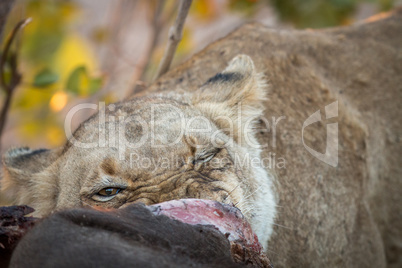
(74, 82)
(95, 84)
(45, 78)
(80, 83)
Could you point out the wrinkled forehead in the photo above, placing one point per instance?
(143, 126)
(110, 161)
(142, 112)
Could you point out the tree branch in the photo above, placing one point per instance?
(15, 76)
(156, 28)
(157, 25)
(175, 36)
(5, 8)
(5, 54)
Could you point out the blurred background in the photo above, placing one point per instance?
(77, 51)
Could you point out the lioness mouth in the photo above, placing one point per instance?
(228, 219)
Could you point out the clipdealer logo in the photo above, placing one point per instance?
(330, 156)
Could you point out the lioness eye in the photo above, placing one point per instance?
(205, 157)
(109, 191)
(107, 194)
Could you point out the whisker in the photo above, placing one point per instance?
(279, 225)
(249, 195)
(244, 202)
(232, 191)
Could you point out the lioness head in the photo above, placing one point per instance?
(156, 148)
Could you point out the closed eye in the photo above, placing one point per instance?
(204, 157)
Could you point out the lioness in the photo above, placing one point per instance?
(229, 138)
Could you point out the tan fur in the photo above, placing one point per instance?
(344, 216)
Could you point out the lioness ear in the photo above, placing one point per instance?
(234, 98)
(20, 166)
